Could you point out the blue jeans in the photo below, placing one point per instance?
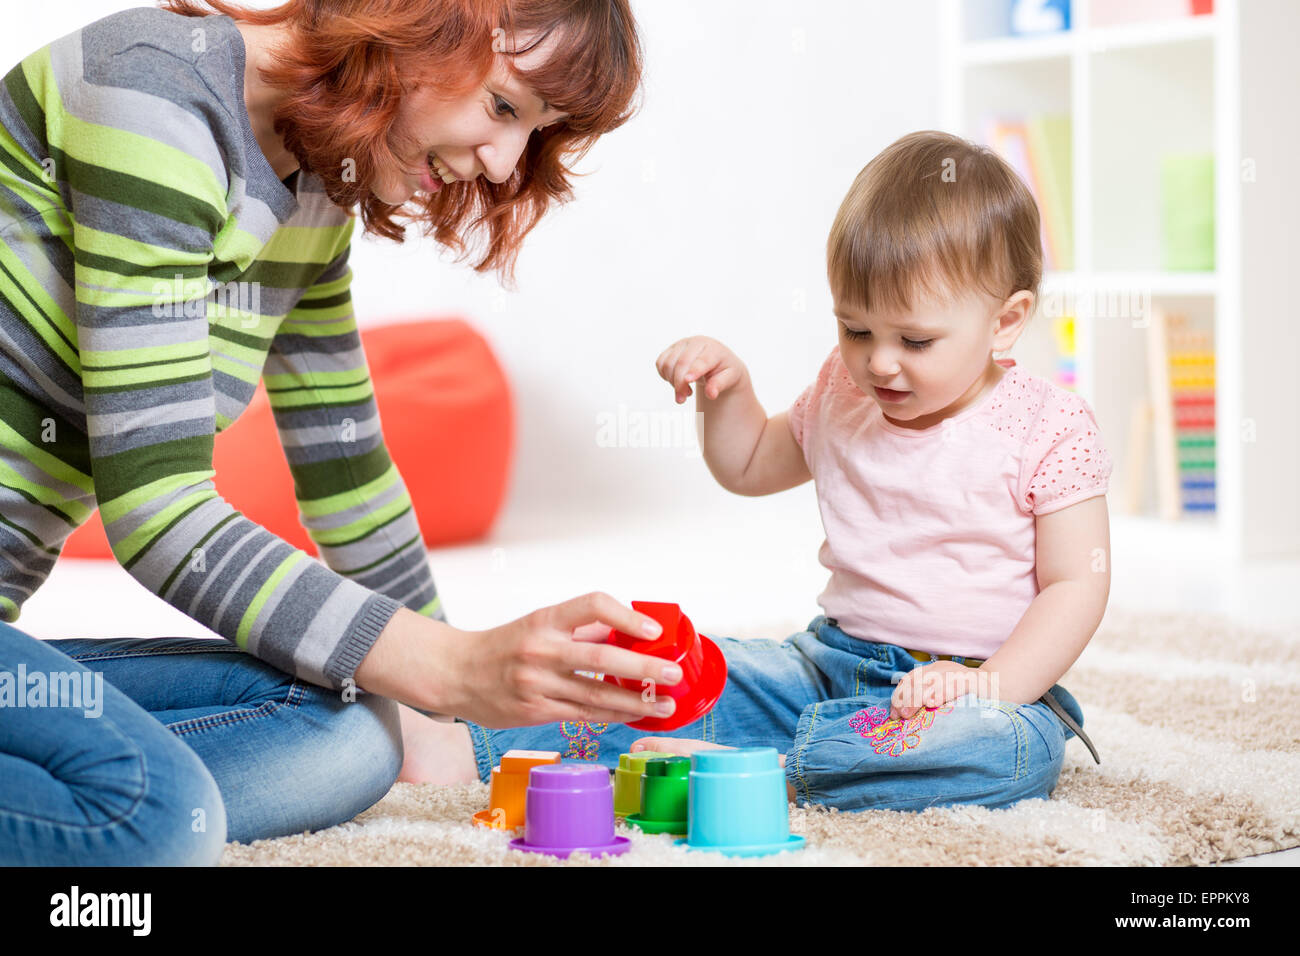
(195, 742)
(821, 698)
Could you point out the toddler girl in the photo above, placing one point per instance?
(963, 501)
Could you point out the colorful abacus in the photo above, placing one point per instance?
(1191, 380)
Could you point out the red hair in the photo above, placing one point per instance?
(342, 72)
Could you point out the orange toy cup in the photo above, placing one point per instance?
(704, 670)
(506, 799)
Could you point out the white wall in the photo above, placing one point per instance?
(707, 213)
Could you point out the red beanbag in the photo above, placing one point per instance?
(448, 421)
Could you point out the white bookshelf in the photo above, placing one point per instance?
(1221, 83)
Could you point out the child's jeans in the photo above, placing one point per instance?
(186, 743)
(821, 698)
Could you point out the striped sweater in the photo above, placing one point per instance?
(152, 269)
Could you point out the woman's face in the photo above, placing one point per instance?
(481, 133)
(935, 358)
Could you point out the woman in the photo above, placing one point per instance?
(177, 188)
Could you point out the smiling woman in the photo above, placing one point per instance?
(156, 166)
(498, 97)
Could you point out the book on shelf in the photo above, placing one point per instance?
(1038, 148)
(1109, 13)
(1032, 17)
(1053, 168)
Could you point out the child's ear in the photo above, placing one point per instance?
(1012, 317)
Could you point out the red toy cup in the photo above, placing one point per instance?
(704, 670)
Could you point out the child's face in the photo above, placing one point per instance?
(936, 358)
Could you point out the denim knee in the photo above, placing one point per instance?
(177, 819)
(141, 799)
(847, 754)
(1071, 707)
(367, 742)
(200, 820)
(304, 759)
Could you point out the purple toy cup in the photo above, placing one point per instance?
(570, 807)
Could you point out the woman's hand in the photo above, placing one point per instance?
(522, 673)
(931, 685)
(699, 357)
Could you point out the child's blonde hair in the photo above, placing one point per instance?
(933, 216)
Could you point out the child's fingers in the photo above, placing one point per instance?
(666, 366)
(925, 686)
(901, 701)
(920, 688)
(666, 745)
(681, 746)
(669, 356)
(683, 366)
(934, 693)
(667, 359)
(674, 375)
(683, 385)
(720, 381)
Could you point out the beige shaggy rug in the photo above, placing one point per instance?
(1195, 719)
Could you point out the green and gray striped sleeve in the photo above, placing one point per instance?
(155, 218)
(351, 497)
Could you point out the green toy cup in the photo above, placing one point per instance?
(665, 792)
(627, 780)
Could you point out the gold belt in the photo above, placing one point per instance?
(927, 657)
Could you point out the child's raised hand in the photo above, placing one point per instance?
(695, 358)
(931, 685)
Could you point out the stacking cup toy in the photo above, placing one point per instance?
(509, 784)
(570, 807)
(737, 803)
(627, 780)
(665, 792)
(704, 669)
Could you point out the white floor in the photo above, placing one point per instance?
(745, 564)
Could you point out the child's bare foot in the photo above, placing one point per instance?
(436, 752)
(683, 747)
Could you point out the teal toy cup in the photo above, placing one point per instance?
(737, 803)
(665, 793)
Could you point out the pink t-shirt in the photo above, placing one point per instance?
(930, 532)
